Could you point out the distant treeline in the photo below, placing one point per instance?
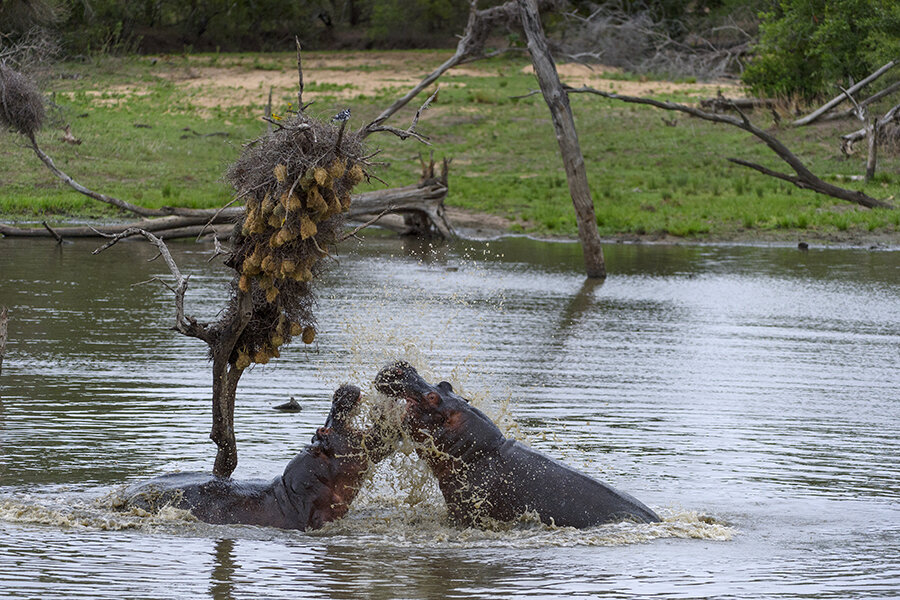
(781, 48)
(92, 26)
(104, 26)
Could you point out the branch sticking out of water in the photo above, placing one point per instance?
(4, 319)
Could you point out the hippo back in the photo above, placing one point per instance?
(212, 499)
(516, 480)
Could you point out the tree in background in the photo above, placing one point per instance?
(806, 46)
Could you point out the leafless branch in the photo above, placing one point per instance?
(851, 112)
(368, 223)
(411, 130)
(214, 217)
(471, 46)
(55, 235)
(640, 42)
(851, 138)
(804, 179)
(111, 200)
(300, 107)
(185, 325)
(816, 114)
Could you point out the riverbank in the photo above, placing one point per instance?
(161, 130)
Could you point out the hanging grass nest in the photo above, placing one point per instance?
(21, 105)
(296, 183)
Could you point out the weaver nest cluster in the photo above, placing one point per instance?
(296, 183)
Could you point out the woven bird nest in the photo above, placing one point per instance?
(21, 105)
(296, 183)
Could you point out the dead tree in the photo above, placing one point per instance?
(296, 184)
(849, 139)
(819, 112)
(871, 128)
(564, 123)
(804, 178)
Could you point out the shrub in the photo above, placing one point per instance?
(807, 46)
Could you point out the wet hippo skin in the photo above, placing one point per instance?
(482, 474)
(317, 486)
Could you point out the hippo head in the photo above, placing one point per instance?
(446, 427)
(339, 438)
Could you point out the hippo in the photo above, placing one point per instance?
(485, 477)
(317, 485)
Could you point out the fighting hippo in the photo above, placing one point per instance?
(483, 474)
(317, 486)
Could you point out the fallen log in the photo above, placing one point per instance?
(851, 112)
(816, 114)
(421, 205)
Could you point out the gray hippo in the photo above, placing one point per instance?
(482, 474)
(317, 486)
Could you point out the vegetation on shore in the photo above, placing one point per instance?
(151, 131)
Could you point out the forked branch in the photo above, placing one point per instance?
(185, 325)
(471, 47)
(804, 178)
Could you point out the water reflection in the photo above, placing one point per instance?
(221, 580)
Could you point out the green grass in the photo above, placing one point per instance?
(647, 178)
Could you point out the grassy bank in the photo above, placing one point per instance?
(152, 133)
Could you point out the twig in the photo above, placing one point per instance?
(364, 225)
(300, 107)
(185, 325)
(269, 112)
(411, 130)
(56, 236)
(214, 217)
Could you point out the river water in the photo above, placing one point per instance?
(750, 395)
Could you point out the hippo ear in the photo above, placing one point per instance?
(445, 386)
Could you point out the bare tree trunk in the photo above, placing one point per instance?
(563, 122)
(4, 319)
(225, 382)
(425, 199)
(872, 135)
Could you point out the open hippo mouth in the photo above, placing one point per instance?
(346, 399)
(400, 380)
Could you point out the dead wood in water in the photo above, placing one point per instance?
(423, 201)
(221, 338)
(564, 123)
(4, 320)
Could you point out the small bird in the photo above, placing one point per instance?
(344, 115)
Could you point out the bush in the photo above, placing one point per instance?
(808, 46)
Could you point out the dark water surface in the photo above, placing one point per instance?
(750, 395)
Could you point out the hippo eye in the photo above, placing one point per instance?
(445, 386)
(433, 399)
